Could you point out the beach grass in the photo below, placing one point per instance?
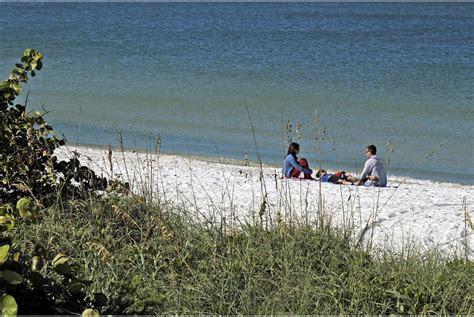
(156, 258)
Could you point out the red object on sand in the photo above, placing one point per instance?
(295, 173)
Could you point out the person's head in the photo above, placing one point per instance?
(294, 148)
(370, 150)
(320, 173)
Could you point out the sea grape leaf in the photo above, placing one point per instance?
(8, 306)
(4, 252)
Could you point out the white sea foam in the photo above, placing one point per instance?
(430, 214)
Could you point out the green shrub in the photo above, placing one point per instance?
(28, 166)
(31, 177)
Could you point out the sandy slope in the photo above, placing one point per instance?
(428, 213)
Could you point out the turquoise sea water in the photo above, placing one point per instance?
(375, 73)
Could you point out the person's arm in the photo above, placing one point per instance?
(296, 165)
(365, 173)
(285, 170)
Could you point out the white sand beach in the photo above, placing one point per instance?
(429, 214)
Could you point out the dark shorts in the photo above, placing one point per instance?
(334, 179)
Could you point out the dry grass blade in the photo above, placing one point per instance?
(125, 216)
(263, 185)
(100, 250)
(109, 158)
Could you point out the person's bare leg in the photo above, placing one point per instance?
(351, 178)
(344, 182)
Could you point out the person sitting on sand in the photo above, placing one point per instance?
(292, 168)
(373, 173)
(340, 177)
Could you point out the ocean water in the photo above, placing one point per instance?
(397, 75)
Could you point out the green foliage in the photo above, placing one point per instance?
(8, 306)
(7, 217)
(90, 313)
(11, 87)
(36, 285)
(28, 167)
(4, 253)
(155, 259)
(31, 177)
(26, 208)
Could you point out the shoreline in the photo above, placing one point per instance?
(392, 178)
(430, 214)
